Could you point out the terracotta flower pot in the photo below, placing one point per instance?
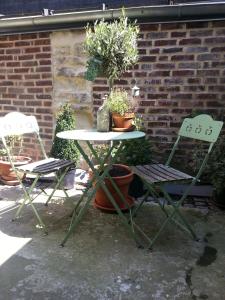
(7, 175)
(122, 176)
(123, 122)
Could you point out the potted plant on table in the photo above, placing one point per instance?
(122, 110)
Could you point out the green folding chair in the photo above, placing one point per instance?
(16, 124)
(155, 175)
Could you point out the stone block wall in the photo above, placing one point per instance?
(181, 70)
(69, 65)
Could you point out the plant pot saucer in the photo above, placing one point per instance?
(9, 182)
(131, 128)
(130, 202)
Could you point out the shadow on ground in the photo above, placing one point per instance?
(101, 261)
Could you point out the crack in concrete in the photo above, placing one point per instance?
(189, 282)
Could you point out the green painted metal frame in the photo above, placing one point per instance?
(203, 128)
(91, 189)
(28, 124)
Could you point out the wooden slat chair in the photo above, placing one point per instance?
(155, 175)
(16, 123)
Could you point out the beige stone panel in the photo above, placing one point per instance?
(69, 66)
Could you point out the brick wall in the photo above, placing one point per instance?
(181, 69)
(26, 81)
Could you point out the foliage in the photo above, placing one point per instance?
(112, 48)
(118, 102)
(133, 152)
(14, 144)
(65, 149)
(215, 169)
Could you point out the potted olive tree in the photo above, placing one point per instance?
(111, 47)
(65, 149)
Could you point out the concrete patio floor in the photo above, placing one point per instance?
(101, 261)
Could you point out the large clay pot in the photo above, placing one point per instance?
(122, 176)
(7, 175)
(123, 122)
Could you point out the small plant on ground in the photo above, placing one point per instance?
(65, 149)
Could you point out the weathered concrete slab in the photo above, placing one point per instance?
(100, 261)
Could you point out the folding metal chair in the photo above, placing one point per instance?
(16, 123)
(155, 175)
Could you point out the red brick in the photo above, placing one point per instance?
(192, 41)
(12, 51)
(22, 44)
(13, 64)
(172, 26)
(178, 34)
(43, 82)
(44, 35)
(26, 57)
(6, 45)
(183, 73)
(43, 55)
(41, 42)
(182, 57)
(35, 90)
(149, 27)
(6, 57)
(45, 62)
(28, 36)
(215, 40)
(32, 50)
(165, 42)
(21, 70)
(147, 59)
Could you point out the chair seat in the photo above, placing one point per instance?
(160, 173)
(46, 166)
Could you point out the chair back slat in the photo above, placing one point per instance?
(201, 127)
(16, 123)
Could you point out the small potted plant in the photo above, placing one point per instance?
(14, 145)
(122, 110)
(65, 149)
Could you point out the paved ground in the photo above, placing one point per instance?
(100, 261)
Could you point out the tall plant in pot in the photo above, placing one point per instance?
(111, 47)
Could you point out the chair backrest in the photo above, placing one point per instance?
(16, 123)
(201, 127)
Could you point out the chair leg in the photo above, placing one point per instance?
(27, 198)
(182, 218)
(59, 180)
